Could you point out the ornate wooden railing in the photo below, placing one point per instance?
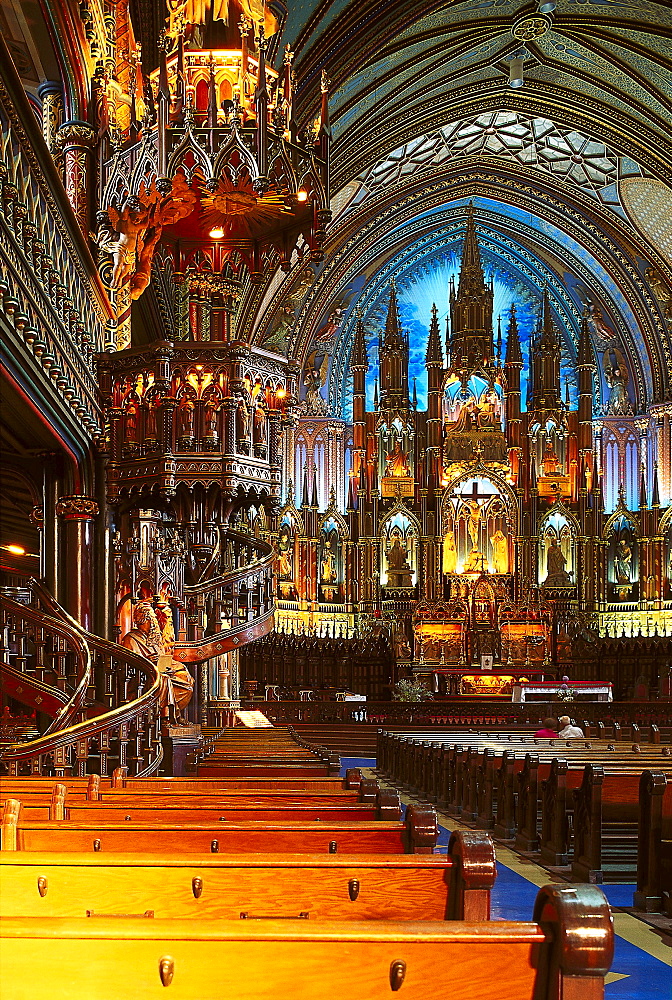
(51, 649)
(56, 310)
(235, 605)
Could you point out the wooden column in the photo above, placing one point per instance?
(76, 555)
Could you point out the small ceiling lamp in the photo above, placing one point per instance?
(516, 78)
(547, 6)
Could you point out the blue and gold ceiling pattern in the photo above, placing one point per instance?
(570, 175)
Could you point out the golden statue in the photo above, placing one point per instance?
(500, 552)
(550, 462)
(449, 564)
(474, 520)
(329, 572)
(397, 463)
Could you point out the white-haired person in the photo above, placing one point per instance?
(568, 731)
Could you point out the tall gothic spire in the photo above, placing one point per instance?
(359, 356)
(472, 279)
(393, 357)
(434, 355)
(514, 354)
(471, 342)
(393, 338)
(545, 365)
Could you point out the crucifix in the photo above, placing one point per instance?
(475, 516)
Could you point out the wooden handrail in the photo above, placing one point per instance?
(201, 648)
(69, 739)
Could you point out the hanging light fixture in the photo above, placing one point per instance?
(516, 78)
(214, 161)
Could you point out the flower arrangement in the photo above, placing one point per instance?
(566, 693)
(410, 690)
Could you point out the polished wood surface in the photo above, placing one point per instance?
(336, 887)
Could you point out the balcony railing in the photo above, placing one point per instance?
(51, 295)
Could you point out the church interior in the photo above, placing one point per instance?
(336, 498)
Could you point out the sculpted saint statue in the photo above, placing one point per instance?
(500, 552)
(556, 575)
(259, 425)
(145, 638)
(150, 420)
(243, 421)
(550, 462)
(449, 552)
(397, 463)
(210, 419)
(398, 570)
(328, 567)
(284, 555)
(131, 422)
(623, 562)
(186, 418)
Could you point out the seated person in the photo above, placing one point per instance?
(549, 729)
(569, 731)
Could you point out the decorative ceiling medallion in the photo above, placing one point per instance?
(528, 27)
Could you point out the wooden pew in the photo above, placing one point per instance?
(564, 952)
(368, 803)
(94, 785)
(654, 843)
(138, 809)
(334, 887)
(226, 785)
(41, 801)
(502, 785)
(416, 835)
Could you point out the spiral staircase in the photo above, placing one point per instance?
(102, 699)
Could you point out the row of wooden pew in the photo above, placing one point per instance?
(97, 905)
(654, 857)
(573, 801)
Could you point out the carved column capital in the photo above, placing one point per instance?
(36, 517)
(76, 135)
(77, 508)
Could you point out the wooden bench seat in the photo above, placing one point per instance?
(243, 770)
(325, 886)
(529, 795)
(654, 843)
(233, 811)
(565, 952)
(367, 803)
(416, 835)
(93, 785)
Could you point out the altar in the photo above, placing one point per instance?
(475, 683)
(586, 690)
